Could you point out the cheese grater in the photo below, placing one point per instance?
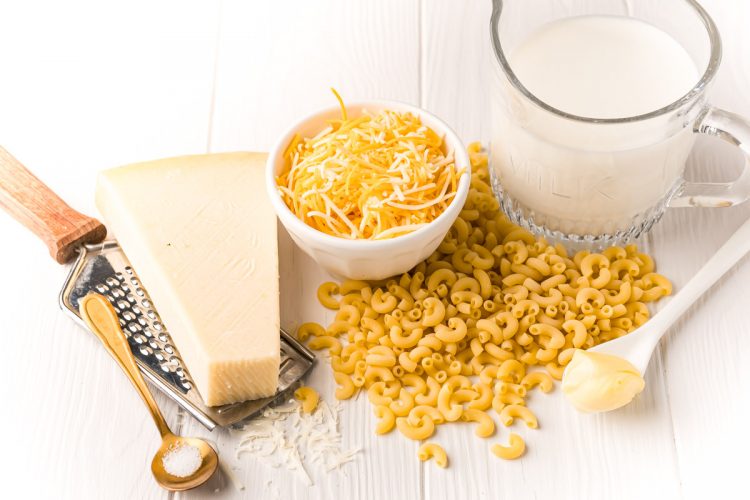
(104, 268)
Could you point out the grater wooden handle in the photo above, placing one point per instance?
(37, 207)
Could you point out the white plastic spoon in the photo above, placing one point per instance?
(638, 346)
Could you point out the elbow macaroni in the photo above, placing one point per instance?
(326, 291)
(433, 450)
(305, 330)
(515, 448)
(458, 334)
(346, 387)
(485, 425)
(510, 412)
(423, 429)
(308, 398)
(541, 379)
(386, 419)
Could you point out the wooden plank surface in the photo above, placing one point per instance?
(704, 357)
(278, 60)
(276, 64)
(87, 86)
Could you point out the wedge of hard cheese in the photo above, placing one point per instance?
(201, 235)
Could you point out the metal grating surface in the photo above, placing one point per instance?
(103, 268)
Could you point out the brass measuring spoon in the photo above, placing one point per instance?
(101, 318)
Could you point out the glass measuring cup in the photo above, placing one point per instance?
(604, 180)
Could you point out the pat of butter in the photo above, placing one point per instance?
(201, 235)
(597, 382)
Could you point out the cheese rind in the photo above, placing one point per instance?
(201, 235)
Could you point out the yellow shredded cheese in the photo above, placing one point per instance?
(376, 176)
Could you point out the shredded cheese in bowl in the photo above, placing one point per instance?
(377, 176)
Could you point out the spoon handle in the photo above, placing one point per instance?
(727, 256)
(101, 318)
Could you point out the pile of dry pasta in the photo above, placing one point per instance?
(467, 334)
(376, 176)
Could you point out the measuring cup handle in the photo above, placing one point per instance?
(36, 206)
(735, 130)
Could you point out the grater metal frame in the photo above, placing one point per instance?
(104, 268)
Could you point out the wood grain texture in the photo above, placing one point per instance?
(455, 64)
(629, 453)
(40, 210)
(278, 60)
(178, 77)
(705, 354)
(276, 63)
(99, 85)
(86, 86)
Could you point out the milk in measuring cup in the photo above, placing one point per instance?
(573, 177)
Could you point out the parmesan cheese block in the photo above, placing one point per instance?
(201, 235)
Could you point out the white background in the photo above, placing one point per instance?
(90, 85)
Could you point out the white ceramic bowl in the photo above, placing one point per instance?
(367, 259)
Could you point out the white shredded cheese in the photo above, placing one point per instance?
(229, 474)
(284, 436)
(331, 179)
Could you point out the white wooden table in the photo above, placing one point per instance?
(85, 86)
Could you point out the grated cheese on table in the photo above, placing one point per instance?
(284, 436)
(376, 176)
